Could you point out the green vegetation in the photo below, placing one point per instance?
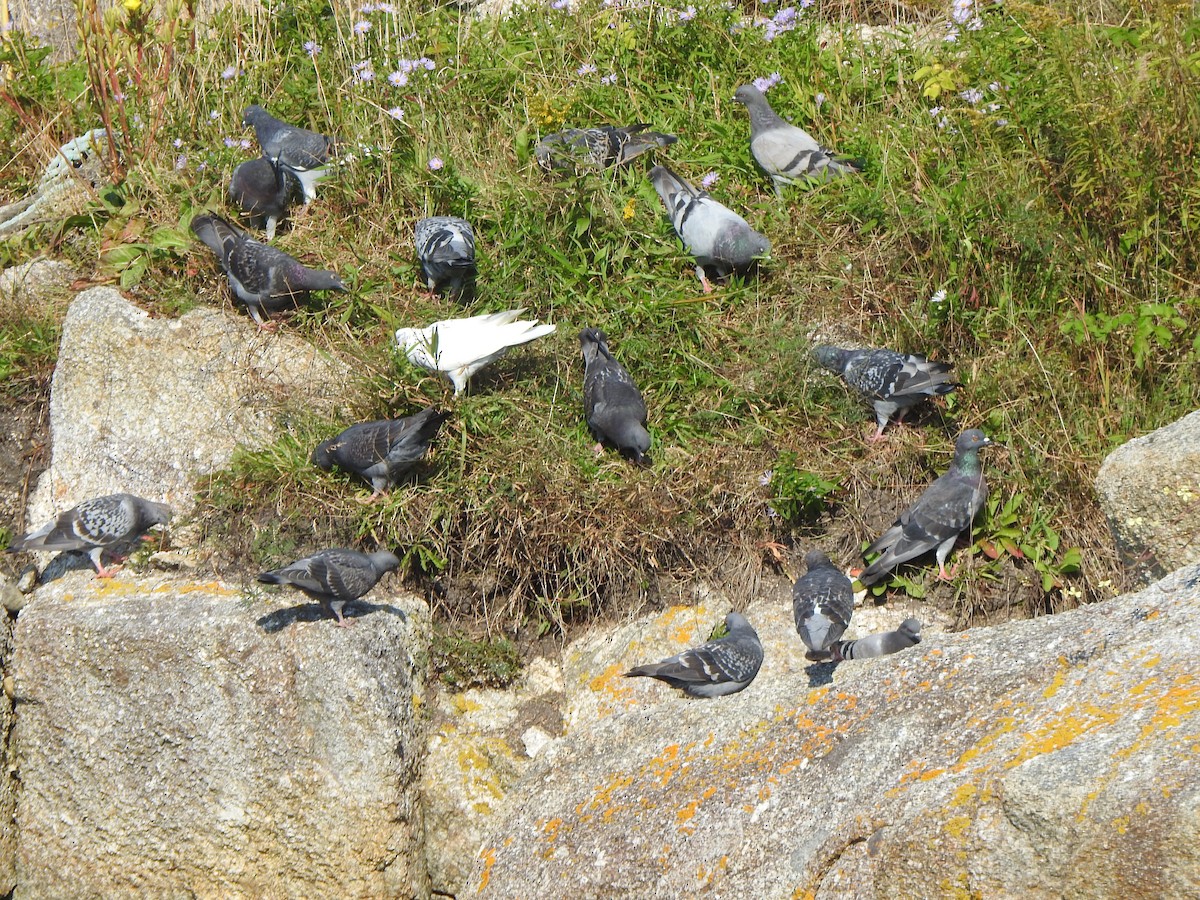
(1029, 210)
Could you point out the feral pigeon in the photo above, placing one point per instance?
(381, 451)
(724, 666)
(938, 517)
(95, 525)
(612, 405)
(458, 348)
(334, 577)
(892, 381)
(822, 602)
(787, 153)
(263, 277)
(881, 644)
(262, 188)
(446, 251)
(715, 235)
(303, 153)
(598, 148)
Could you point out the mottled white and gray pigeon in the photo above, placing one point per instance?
(822, 603)
(381, 452)
(263, 277)
(893, 382)
(612, 404)
(96, 525)
(881, 644)
(715, 235)
(334, 577)
(939, 515)
(787, 153)
(446, 250)
(458, 348)
(262, 189)
(724, 666)
(597, 148)
(303, 153)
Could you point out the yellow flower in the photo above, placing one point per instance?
(627, 213)
(132, 6)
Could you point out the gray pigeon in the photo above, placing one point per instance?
(96, 525)
(597, 148)
(381, 451)
(822, 603)
(612, 404)
(263, 277)
(939, 515)
(787, 153)
(335, 577)
(446, 250)
(724, 666)
(715, 235)
(881, 644)
(892, 381)
(303, 153)
(262, 188)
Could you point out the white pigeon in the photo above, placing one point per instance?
(458, 348)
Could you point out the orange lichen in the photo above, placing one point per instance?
(610, 681)
(488, 855)
(1063, 729)
(550, 827)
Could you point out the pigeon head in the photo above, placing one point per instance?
(743, 247)
(736, 620)
(831, 358)
(971, 440)
(255, 114)
(384, 561)
(815, 559)
(911, 627)
(322, 457)
(634, 440)
(761, 114)
(156, 513)
(302, 279)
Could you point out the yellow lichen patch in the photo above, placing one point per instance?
(604, 793)
(1121, 824)
(550, 827)
(1004, 725)
(815, 697)
(611, 681)
(1063, 729)
(963, 794)
(686, 812)
(461, 703)
(664, 766)
(957, 826)
(488, 855)
(1056, 682)
(1181, 699)
(1152, 661)
(803, 893)
(707, 877)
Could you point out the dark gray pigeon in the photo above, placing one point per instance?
(262, 189)
(715, 235)
(263, 277)
(724, 666)
(96, 525)
(303, 153)
(787, 153)
(892, 381)
(381, 452)
(335, 577)
(597, 148)
(881, 644)
(935, 521)
(612, 404)
(446, 250)
(822, 603)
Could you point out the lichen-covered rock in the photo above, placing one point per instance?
(480, 742)
(145, 405)
(1149, 490)
(185, 739)
(8, 786)
(35, 289)
(1046, 758)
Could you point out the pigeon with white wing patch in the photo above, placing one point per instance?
(822, 604)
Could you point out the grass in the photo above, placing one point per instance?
(1042, 235)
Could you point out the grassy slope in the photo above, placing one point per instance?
(1059, 225)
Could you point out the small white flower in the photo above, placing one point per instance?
(939, 296)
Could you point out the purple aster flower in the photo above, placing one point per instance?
(230, 73)
(819, 99)
(230, 142)
(951, 35)
(960, 10)
(244, 143)
(559, 4)
(974, 24)
(688, 14)
(765, 478)
(435, 163)
(428, 63)
(994, 87)
(362, 27)
(368, 8)
(396, 113)
(766, 83)
(312, 48)
(180, 162)
(214, 115)
(992, 107)
(398, 79)
(610, 78)
(586, 69)
(709, 180)
(202, 166)
(177, 143)
(971, 95)
(935, 111)
(386, 8)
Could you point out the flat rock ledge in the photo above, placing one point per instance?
(188, 739)
(1037, 759)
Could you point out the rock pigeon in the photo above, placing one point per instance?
(96, 525)
(458, 348)
(892, 381)
(822, 602)
(446, 250)
(881, 644)
(304, 154)
(262, 188)
(381, 451)
(335, 577)
(263, 277)
(598, 148)
(938, 517)
(715, 235)
(787, 153)
(612, 404)
(724, 666)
